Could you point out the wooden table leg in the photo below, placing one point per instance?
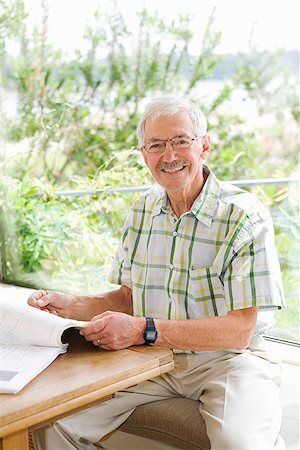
(18, 440)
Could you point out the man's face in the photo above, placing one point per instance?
(176, 170)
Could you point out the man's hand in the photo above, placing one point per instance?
(53, 302)
(113, 330)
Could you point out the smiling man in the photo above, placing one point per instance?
(195, 264)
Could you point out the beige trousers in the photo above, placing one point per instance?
(238, 398)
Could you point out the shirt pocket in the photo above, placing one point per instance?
(207, 296)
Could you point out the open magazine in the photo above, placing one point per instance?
(30, 339)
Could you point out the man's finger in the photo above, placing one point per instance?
(93, 327)
(37, 297)
(43, 302)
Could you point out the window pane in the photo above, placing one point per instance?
(67, 243)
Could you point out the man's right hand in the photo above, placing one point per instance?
(53, 302)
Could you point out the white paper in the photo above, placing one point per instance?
(19, 365)
(30, 339)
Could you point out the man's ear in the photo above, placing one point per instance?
(205, 142)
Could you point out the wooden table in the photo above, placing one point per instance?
(83, 376)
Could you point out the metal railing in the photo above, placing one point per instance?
(124, 190)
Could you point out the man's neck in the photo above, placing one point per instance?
(182, 201)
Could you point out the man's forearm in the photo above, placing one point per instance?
(212, 333)
(84, 307)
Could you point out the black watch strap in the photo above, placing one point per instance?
(150, 334)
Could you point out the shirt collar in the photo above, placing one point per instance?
(205, 204)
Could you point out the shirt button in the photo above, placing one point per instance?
(175, 233)
(171, 267)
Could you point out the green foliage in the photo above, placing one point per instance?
(46, 239)
(73, 113)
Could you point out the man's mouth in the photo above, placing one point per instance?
(172, 168)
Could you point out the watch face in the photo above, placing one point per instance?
(151, 335)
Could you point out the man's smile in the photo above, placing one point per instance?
(172, 167)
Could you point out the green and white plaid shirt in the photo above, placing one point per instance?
(217, 257)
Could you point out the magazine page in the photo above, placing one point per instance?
(19, 365)
(21, 324)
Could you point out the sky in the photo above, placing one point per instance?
(273, 23)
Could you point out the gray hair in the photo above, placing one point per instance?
(168, 105)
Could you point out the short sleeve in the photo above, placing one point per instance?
(253, 277)
(120, 269)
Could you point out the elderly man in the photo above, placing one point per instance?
(195, 264)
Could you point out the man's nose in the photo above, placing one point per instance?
(169, 154)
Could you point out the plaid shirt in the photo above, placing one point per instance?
(217, 257)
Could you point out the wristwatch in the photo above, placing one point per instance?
(150, 334)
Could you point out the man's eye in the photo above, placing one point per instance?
(182, 141)
(155, 145)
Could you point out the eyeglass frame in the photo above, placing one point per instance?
(171, 142)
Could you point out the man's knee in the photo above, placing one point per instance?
(230, 440)
(235, 439)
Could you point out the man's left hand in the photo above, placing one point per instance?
(113, 330)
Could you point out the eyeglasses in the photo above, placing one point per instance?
(178, 143)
